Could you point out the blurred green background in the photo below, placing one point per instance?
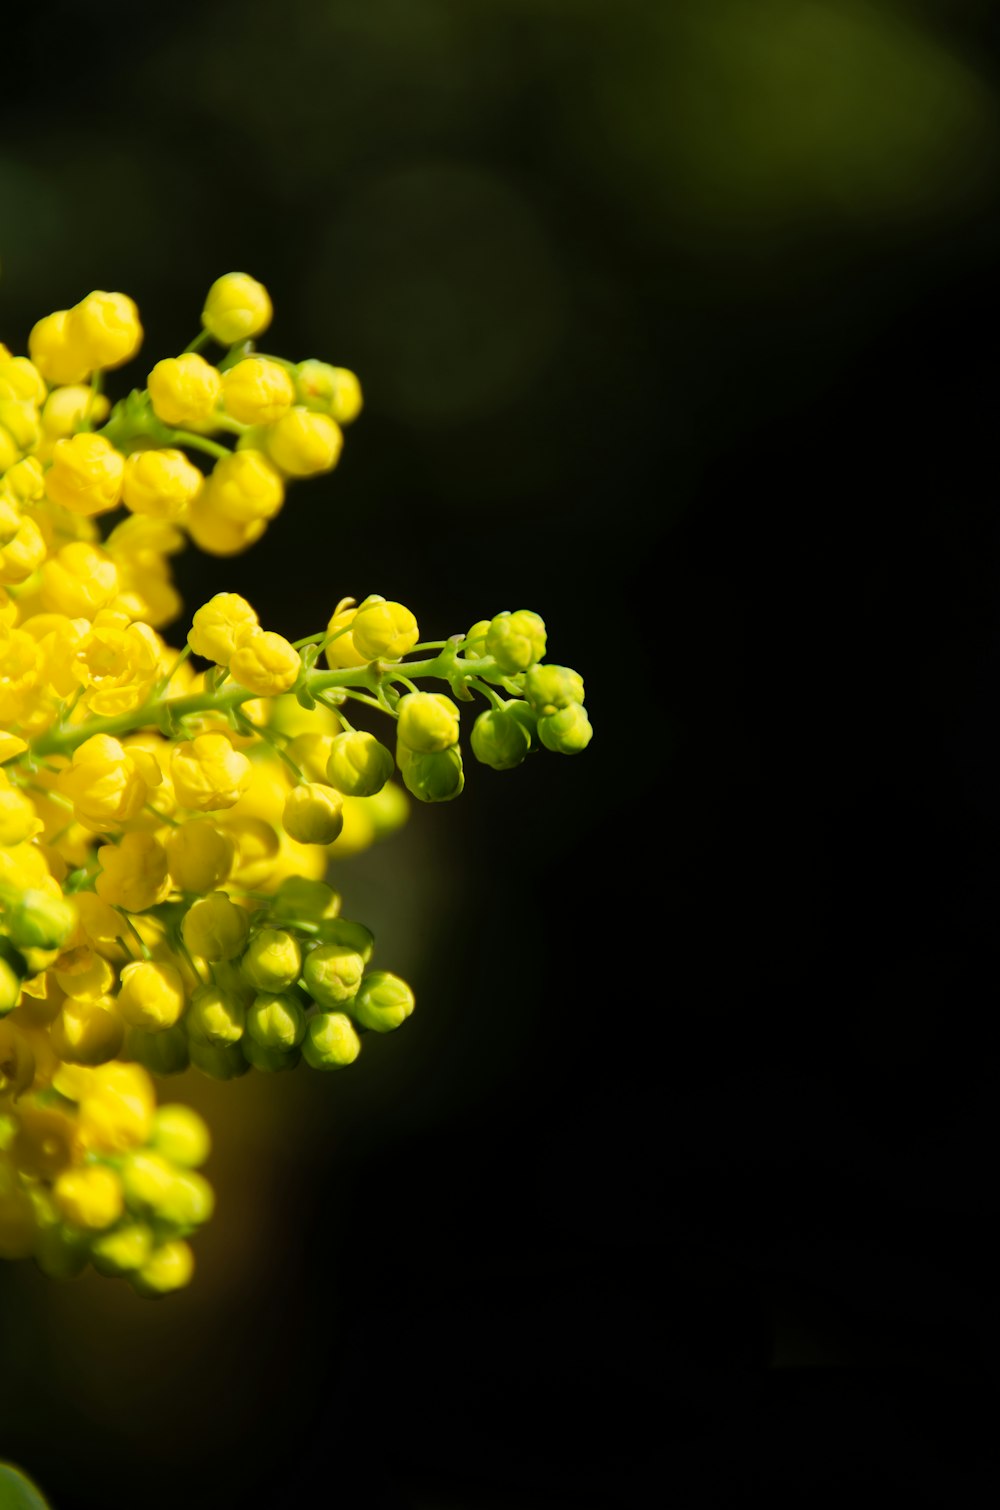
(675, 324)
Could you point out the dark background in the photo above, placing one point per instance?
(676, 323)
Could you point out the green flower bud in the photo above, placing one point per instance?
(306, 901)
(215, 927)
(428, 722)
(516, 640)
(358, 765)
(333, 973)
(180, 1135)
(215, 1018)
(169, 1268)
(61, 1252)
(549, 688)
(499, 739)
(383, 1002)
(276, 1021)
(567, 732)
(186, 1204)
(163, 1053)
(437, 777)
(146, 1179)
(328, 390)
(476, 638)
(273, 960)
(10, 987)
(38, 920)
(218, 1064)
(352, 936)
(271, 1061)
(527, 718)
(331, 1041)
(313, 814)
(122, 1251)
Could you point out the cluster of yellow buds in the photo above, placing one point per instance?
(169, 815)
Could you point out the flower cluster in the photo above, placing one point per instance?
(169, 814)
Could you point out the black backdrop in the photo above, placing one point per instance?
(679, 330)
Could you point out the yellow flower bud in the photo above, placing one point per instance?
(86, 474)
(170, 1268)
(79, 580)
(181, 1136)
(303, 443)
(87, 1032)
(214, 928)
(22, 556)
(117, 662)
(107, 784)
(55, 353)
(428, 721)
(160, 483)
(105, 328)
(342, 652)
(133, 873)
(65, 410)
(200, 856)
(264, 662)
(236, 308)
(382, 629)
(117, 1102)
(256, 391)
(208, 773)
(313, 814)
(21, 379)
(152, 995)
(217, 624)
(244, 488)
(184, 390)
(20, 431)
(25, 480)
(90, 1197)
(216, 535)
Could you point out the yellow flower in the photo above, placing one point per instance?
(200, 856)
(89, 1197)
(79, 580)
(20, 664)
(381, 629)
(133, 873)
(118, 663)
(108, 784)
(23, 554)
(214, 928)
(208, 773)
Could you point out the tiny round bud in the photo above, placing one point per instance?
(313, 814)
(39, 920)
(225, 1063)
(184, 390)
(170, 1268)
(181, 1136)
(333, 973)
(215, 1017)
(499, 739)
(89, 1197)
(215, 928)
(550, 688)
(329, 390)
(383, 630)
(302, 443)
(276, 1021)
(428, 722)
(257, 392)
(435, 777)
(152, 995)
(331, 1041)
(163, 1053)
(358, 765)
(353, 936)
(383, 1002)
(273, 960)
(237, 307)
(567, 732)
(120, 1252)
(516, 640)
